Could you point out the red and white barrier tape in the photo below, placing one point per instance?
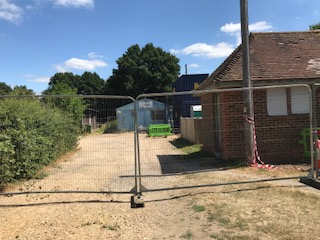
(256, 161)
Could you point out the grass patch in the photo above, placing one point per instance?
(187, 235)
(259, 213)
(198, 208)
(189, 149)
(193, 151)
(111, 127)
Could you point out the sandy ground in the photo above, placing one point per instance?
(106, 163)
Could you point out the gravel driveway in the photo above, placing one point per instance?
(106, 163)
(102, 162)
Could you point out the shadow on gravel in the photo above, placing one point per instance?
(161, 199)
(173, 164)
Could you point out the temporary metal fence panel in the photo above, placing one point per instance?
(31, 127)
(117, 155)
(218, 156)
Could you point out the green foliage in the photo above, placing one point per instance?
(17, 90)
(315, 27)
(111, 127)
(4, 89)
(21, 90)
(198, 208)
(90, 84)
(32, 134)
(86, 84)
(143, 70)
(72, 105)
(69, 84)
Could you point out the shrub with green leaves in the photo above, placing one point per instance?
(32, 134)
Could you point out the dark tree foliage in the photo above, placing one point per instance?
(87, 84)
(17, 90)
(315, 27)
(90, 84)
(66, 78)
(4, 89)
(143, 70)
(22, 90)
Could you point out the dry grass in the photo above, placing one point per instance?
(260, 211)
(257, 210)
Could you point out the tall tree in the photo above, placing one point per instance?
(4, 88)
(22, 90)
(67, 79)
(143, 70)
(315, 27)
(90, 84)
(86, 84)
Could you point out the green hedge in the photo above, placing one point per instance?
(32, 134)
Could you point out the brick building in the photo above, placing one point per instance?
(277, 58)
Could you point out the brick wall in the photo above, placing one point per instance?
(207, 123)
(277, 136)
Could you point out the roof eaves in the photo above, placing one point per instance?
(224, 67)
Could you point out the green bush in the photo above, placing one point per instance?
(32, 134)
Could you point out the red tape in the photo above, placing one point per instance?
(256, 161)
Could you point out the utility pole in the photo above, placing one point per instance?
(247, 94)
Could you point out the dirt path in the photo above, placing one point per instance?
(97, 165)
(105, 162)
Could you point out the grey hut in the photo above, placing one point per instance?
(149, 112)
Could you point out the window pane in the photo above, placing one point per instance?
(277, 102)
(300, 100)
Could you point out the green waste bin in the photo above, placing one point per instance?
(159, 130)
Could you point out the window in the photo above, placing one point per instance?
(158, 115)
(195, 85)
(277, 102)
(300, 100)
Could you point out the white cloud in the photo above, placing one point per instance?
(231, 28)
(32, 78)
(10, 12)
(193, 65)
(94, 55)
(75, 3)
(260, 27)
(221, 49)
(206, 51)
(80, 64)
(234, 29)
(174, 51)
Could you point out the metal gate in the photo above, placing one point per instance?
(95, 163)
(209, 150)
(119, 151)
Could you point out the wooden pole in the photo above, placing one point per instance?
(247, 95)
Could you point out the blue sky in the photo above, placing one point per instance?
(39, 38)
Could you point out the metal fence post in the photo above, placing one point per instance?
(137, 200)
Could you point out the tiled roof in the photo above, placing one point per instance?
(273, 56)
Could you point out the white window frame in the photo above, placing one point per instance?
(277, 102)
(300, 100)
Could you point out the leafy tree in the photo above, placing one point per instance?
(22, 90)
(73, 105)
(143, 70)
(90, 84)
(4, 89)
(315, 27)
(87, 84)
(67, 79)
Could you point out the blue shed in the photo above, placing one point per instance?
(149, 112)
(183, 103)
